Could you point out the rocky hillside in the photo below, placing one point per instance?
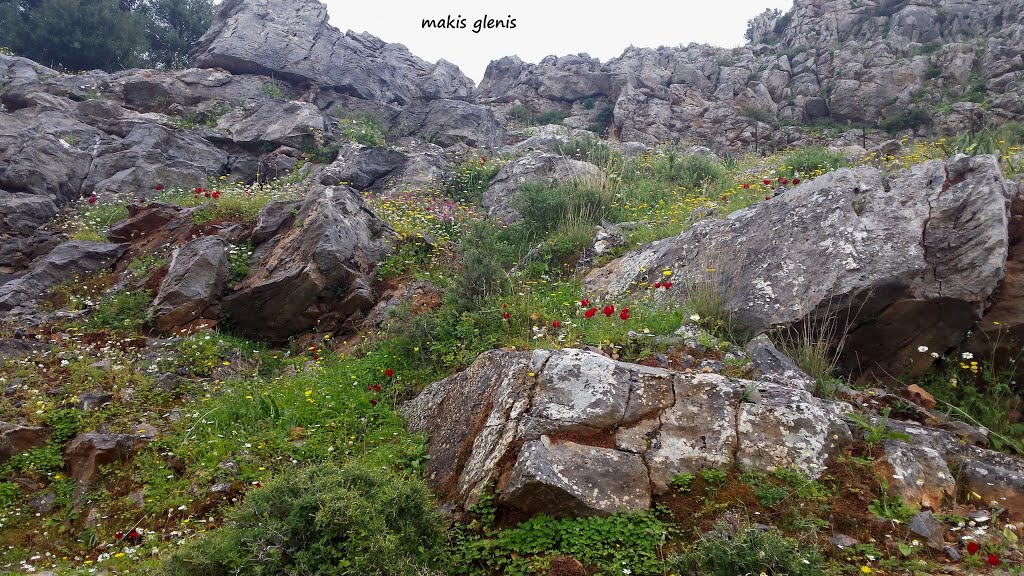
(317, 306)
(928, 67)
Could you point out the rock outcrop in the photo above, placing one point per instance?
(77, 258)
(318, 273)
(575, 432)
(196, 277)
(294, 42)
(898, 262)
(503, 193)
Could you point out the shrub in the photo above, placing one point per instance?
(729, 550)
(547, 207)
(689, 171)
(366, 129)
(322, 520)
(550, 117)
(591, 150)
(471, 178)
(485, 261)
(121, 311)
(909, 118)
(603, 120)
(809, 161)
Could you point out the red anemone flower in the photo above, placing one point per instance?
(993, 560)
(199, 189)
(796, 181)
(590, 313)
(766, 182)
(556, 324)
(608, 310)
(784, 181)
(92, 199)
(389, 372)
(216, 194)
(746, 186)
(973, 547)
(134, 534)
(506, 316)
(657, 285)
(257, 484)
(376, 387)
(624, 314)
(158, 187)
(666, 285)
(584, 303)
(373, 401)
(119, 535)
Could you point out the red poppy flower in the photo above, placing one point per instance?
(766, 181)
(373, 401)
(556, 324)
(666, 285)
(746, 186)
(657, 285)
(199, 190)
(993, 560)
(134, 534)
(389, 372)
(119, 535)
(796, 181)
(624, 314)
(973, 547)
(369, 387)
(376, 387)
(590, 313)
(584, 303)
(216, 194)
(784, 181)
(608, 310)
(92, 199)
(158, 187)
(506, 315)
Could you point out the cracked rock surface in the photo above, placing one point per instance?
(574, 432)
(905, 260)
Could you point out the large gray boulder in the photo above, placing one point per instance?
(196, 277)
(319, 273)
(22, 214)
(450, 122)
(899, 262)
(361, 166)
(575, 432)
(71, 260)
(295, 124)
(17, 438)
(294, 42)
(152, 154)
(503, 193)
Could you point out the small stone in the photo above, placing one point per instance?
(842, 541)
(94, 400)
(952, 553)
(220, 488)
(923, 524)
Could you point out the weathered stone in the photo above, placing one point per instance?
(316, 274)
(196, 277)
(22, 214)
(775, 366)
(566, 478)
(67, 261)
(450, 122)
(541, 425)
(896, 262)
(84, 455)
(295, 124)
(360, 166)
(294, 42)
(17, 438)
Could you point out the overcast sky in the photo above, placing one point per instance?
(545, 27)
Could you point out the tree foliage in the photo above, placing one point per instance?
(78, 35)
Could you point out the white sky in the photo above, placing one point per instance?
(602, 30)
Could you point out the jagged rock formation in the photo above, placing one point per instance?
(900, 262)
(294, 42)
(574, 432)
(858, 61)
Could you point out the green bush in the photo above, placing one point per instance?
(471, 178)
(729, 550)
(603, 120)
(908, 118)
(810, 160)
(690, 172)
(526, 117)
(591, 150)
(547, 207)
(121, 311)
(322, 520)
(550, 117)
(366, 129)
(486, 258)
